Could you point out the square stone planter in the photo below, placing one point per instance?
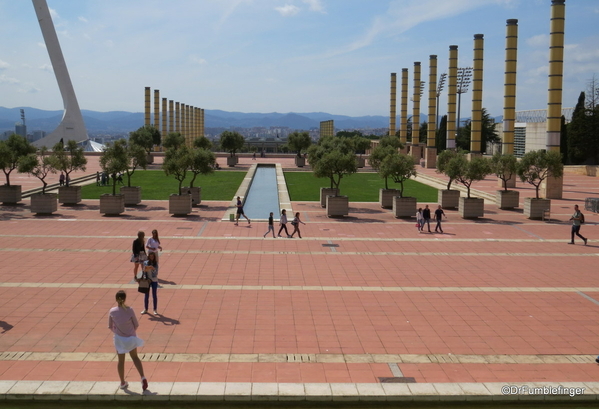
(300, 161)
(69, 195)
(195, 192)
(179, 205)
(10, 194)
(507, 199)
(360, 161)
(337, 206)
(534, 208)
(150, 159)
(471, 208)
(132, 195)
(112, 205)
(448, 199)
(44, 203)
(327, 191)
(404, 206)
(232, 161)
(386, 197)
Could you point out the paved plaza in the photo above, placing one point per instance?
(362, 307)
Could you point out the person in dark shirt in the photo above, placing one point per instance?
(240, 212)
(426, 215)
(439, 213)
(271, 226)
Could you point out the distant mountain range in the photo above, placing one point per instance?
(121, 121)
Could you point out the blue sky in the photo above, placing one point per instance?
(283, 56)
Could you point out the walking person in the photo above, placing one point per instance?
(577, 219)
(283, 223)
(61, 179)
(439, 213)
(151, 271)
(240, 212)
(271, 226)
(153, 244)
(426, 216)
(295, 223)
(139, 254)
(123, 323)
(419, 220)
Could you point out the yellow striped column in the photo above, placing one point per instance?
(452, 87)
(430, 156)
(477, 96)
(147, 107)
(509, 99)
(393, 104)
(403, 124)
(157, 109)
(164, 121)
(177, 117)
(171, 116)
(415, 148)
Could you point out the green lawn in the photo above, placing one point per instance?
(359, 187)
(155, 185)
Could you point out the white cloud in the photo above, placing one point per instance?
(288, 10)
(3, 65)
(54, 14)
(8, 80)
(29, 89)
(83, 19)
(315, 5)
(46, 67)
(541, 40)
(197, 60)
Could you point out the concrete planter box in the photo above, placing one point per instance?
(471, 208)
(112, 205)
(327, 191)
(360, 161)
(448, 199)
(132, 195)
(179, 205)
(337, 206)
(44, 204)
(534, 208)
(10, 194)
(150, 159)
(404, 206)
(300, 162)
(507, 199)
(386, 197)
(69, 195)
(195, 192)
(232, 161)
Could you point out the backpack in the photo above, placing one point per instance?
(581, 218)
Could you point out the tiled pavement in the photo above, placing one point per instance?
(497, 301)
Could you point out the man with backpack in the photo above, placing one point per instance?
(577, 219)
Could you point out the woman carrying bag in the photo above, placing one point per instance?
(139, 253)
(149, 281)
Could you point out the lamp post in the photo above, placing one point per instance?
(464, 78)
(440, 86)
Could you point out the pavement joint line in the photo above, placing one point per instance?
(588, 297)
(333, 252)
(393, 360)
(224, 287)
(527, 232)
(202, 229)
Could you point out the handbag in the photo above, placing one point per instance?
(418, 225)
(142, 257)
(143, 285)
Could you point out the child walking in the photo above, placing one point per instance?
(271, 226)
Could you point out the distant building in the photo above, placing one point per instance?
(37, 135)
(21, 129)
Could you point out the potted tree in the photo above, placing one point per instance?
(136, 157)
(449, 198)
(534, 168)
(12, 152)
(504, 166)
(471, 171)
(70, 158)
(333, 157)
(202, 162)
(40, 165)
(388, 145)
(299, 141)
(147, 137)
(177, 162)
(114, 160)
(231, 142)
(400, 167)
(361, 144)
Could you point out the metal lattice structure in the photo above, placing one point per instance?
(540, 115)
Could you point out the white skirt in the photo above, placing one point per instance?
(126, 344)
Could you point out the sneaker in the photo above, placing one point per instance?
(155, 312)
(124, 385)
(249, 221)
(289, 236)
(585, 242)
(144, 312)
(144, 383)
(597, 359)
(571, 242)
(236, 224)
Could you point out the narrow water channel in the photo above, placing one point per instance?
(263, 195)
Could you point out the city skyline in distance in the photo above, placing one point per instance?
(283, 56)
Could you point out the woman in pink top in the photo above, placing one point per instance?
(123, 323)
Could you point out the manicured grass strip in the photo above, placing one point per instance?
(155, 185)
(359, 187)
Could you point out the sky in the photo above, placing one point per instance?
(333, 56)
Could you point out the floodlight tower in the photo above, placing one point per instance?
(464, 78)
(440, 86)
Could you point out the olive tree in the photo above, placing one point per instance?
(177, 162)
(536, 166)
(147, 136)
(12, 152)
(399, 167)
(115, 160)
(201, 162)
(333, 158)
(39, 164)
(360, 144)
(470, 171)
(231, 142)
(504, 167)
(70, 158)
(136, 158)
(299, 141)
(449, 167)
